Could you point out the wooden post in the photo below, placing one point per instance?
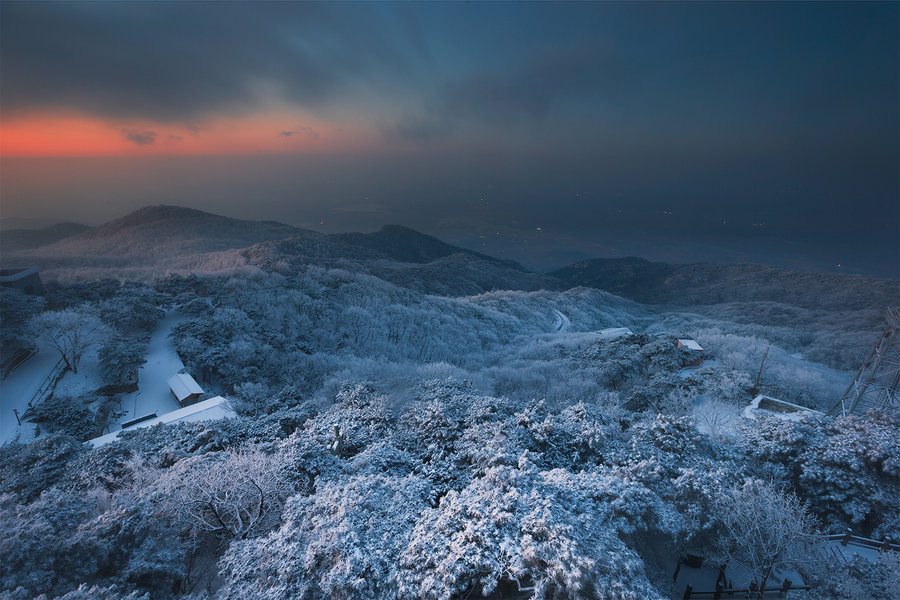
(687, 593)
(18, 420)
(885, 544)
(785, 587)
(677, 569)
(847, 537)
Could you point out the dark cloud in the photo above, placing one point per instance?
(174, 138)
(549, 80)
(141, 138)
(177, 61)
(308, 131)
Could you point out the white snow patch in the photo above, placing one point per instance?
(154, 395)
(17, 390)
(614, 332)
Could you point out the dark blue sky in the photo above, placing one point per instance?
(765, 132)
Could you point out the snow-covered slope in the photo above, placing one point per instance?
(160, 232)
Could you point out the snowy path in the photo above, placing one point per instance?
(17, 389)
(153, 395)
(560, 321)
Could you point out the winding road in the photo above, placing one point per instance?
(560, 321)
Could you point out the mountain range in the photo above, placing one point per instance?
(172, 239)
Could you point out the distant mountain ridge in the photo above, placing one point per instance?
(157, 232)
(15, 240)
(181, 239)
(177, 239)
(408, 245)
(707, 283)
(150, 230)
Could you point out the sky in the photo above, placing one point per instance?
(544, 132)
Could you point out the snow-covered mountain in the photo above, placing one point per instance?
(160, 239)
(159, 232)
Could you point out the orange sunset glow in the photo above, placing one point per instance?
(72, 134)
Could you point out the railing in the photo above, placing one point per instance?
(48, 384)
(778, 592)
(882, 545)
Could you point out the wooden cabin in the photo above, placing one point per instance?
(695, 350)
(185, 389)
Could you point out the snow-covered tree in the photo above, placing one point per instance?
(70, 332)
(555, 534)
(343, 542)
(238, 493)
(765, 529)
(120, 358)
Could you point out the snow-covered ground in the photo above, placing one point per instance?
(703, 365)
(17, 389)
(153, 395)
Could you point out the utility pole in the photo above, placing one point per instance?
(755, 387)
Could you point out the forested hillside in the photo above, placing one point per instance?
(416, 421)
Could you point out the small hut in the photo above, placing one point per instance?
(184, 388)
(695, 351)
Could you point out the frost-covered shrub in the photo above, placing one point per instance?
(252, 399)
(133, 309)
(521, 529)
(63, 539)
(856, 579)
(577, 436)
(307, 459)
(671, 458)
(163, 445)
(852, 477)
(383, 458)
(778, 447)
(66, 415)
(28, 469)
(343, 542)
(84, 592)
(361, 415)
(109, 467)
(847, 468)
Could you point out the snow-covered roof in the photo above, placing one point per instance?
(614, 332)
(184, 386)
(10, 275)
(778, 408)
(207, 410)
(692, 344)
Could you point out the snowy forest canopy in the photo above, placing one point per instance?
(406, 429)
